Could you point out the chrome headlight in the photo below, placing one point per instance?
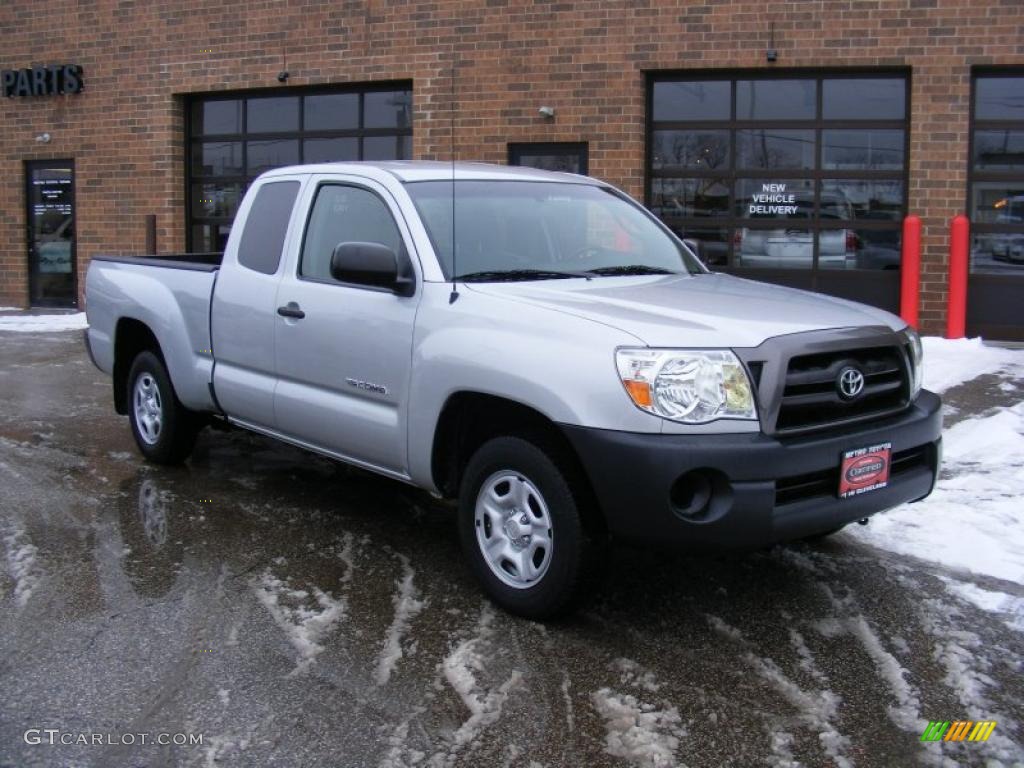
(689, 386)
(916, 360)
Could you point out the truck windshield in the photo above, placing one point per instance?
(536, 230)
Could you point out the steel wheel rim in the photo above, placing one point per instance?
(513, 529)
(148, 405)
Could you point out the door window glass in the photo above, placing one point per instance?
(690, 149)
(776, 99)
(344, 214)
(862, 98)
(51, 242)
(862, 150)
(772, 148)
(275, 114)
(698, 100)
(996, 175)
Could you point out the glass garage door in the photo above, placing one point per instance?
(995, 206)
(234, 138)
(793, 178)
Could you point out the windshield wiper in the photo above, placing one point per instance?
(509, 275)
(631, 269)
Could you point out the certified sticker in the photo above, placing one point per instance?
(864, 470)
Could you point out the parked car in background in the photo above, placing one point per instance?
(790, 243)
(534, 345)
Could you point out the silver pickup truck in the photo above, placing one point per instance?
(535, 345)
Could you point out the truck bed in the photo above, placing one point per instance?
(170, 295)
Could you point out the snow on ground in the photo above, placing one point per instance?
(43, 323)
(1010, 607)
(948, 362)
(22, 565)
(974, 520)
(406, 607)
(304, 622)
(460, 669)
(818, 709)
(642, 733)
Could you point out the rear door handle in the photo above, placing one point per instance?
(291, 309)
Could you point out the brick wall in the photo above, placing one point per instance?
(586, 59)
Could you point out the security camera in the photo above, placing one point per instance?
(282, 76)
(43, 138)
(547, 111)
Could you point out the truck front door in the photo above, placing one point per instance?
(344, 351)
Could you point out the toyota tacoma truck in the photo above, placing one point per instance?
(535, 346)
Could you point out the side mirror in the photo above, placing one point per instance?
(694, 246)
(371, 264)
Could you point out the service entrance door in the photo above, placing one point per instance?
(50, 194)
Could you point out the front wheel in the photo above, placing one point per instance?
(164, 430)
(521, 529)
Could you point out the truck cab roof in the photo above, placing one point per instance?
(433, 170)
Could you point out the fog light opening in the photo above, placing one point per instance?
(691, 494)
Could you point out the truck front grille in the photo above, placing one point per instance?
(811, 398)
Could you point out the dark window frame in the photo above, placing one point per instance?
(403, 257)
(732, 221)
(581, 149)
(245, 179)
(33, 274)
(973, 175)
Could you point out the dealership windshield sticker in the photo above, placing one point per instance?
(864, 469)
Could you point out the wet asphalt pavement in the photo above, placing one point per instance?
(298, 613)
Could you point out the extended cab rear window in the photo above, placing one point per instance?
(265, 226)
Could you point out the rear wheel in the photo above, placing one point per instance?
(521, 529)
(164, 430)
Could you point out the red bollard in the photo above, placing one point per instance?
(956, 311)
(910, 271)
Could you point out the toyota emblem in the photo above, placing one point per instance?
(850, 383)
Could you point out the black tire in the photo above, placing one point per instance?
(575, 552)
(178, 427)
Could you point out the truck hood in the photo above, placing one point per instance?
(708, 310)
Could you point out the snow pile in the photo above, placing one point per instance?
(43, 323)
(406, 607)
(948, 362)
(974, 519)
(22, 566)
(638, 731)
(304, 625)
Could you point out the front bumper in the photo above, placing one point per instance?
(759, 490)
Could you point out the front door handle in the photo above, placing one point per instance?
(291, 309)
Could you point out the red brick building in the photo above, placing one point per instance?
(789, 139)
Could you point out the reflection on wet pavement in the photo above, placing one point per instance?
(296, 612)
